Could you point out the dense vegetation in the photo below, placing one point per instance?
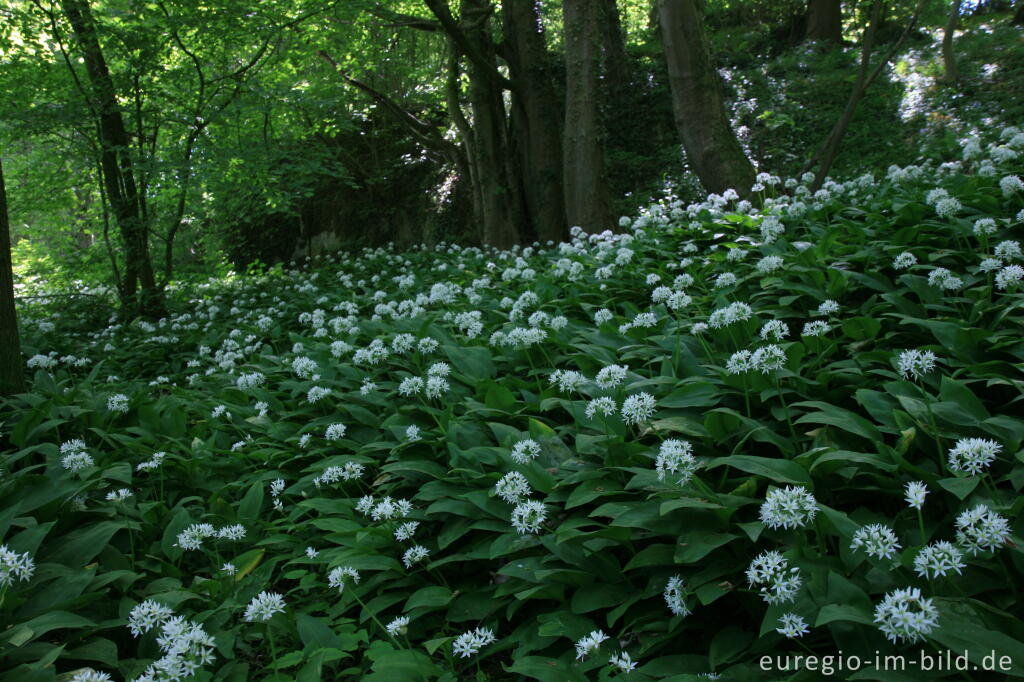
(325, 355)
(670, 447)
(250, 149)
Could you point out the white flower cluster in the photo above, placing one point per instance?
(604, 405)
(349, 471)
(337, 575)
(14, 566)
(568, 380)
(791, 625)
(905, 615)
(937, 559)
(185, 645)
(776, 581)
(513, 487)
(469, 643)
(765, 359)
(913, 364)
(638, 408)
(973, 455)
(193, 537)
(877, 540)
(74, 457)
(589, 643)
(154, 462)
(675, 457)
(263, 607)
(730, 314)
(529, 516)
(675, 596)
(981, 530)
(792, 507)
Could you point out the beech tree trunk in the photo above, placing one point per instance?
(586, 189)
(139, 292)
(500, 194)
(710, 143)
(616, 61)
(825, 20)
(12, 379)
(948, 56)
(536, 118)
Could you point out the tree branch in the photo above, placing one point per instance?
(443, 13)
(399, 20)
(421, 130)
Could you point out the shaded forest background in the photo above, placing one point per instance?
(249, 135)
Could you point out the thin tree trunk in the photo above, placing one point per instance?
(825, 20)
(826, 154)
(710, 143)
(536, 118)
(948, 55)
(586, 188)
(116, 163)
(453, 99)
(12, 378)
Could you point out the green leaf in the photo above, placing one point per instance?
(830, 613)
(696, 394)
(961, 487)
(781, 470)
(22, 633)
(838, 417)
(249, 507)
(315, 633)
(696, 545)
(79, 547)
(589, 490)
(429, 597)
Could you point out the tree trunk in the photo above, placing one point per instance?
(616, 61)
(499, 191)
(825, 20)
(1018, 14)
(117, 167)
(586, 188)
(12, 379)
(536, 118)
(948, 56)
(710, 143)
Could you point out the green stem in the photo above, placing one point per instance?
(785, 407)
(273, 646)
(990, 486)
(374, 618)
(920, 526)
(533, 369)
(935, 428)
(746, 395)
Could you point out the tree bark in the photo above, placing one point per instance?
(536, 118)
(501, 200)
(825, 20)
(586, 188)
(616, 61)
(948, 56)
(710, 143)
(118, 171)
(12, 378)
